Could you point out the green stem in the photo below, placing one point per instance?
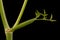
(3, 16)
(21, 13)
(9, 35)
(5, 23)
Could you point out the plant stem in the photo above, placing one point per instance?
(21, 13)
(3, 16)
(9, 35)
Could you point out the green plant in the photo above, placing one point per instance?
(9, 31)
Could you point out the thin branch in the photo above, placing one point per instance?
(21, 13)
(3, 16)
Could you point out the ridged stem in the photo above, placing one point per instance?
(21, 13)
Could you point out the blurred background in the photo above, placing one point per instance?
(13, 7)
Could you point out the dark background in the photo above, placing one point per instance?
(12, 9)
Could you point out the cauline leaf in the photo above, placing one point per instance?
(52, 18)
(25, 23)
